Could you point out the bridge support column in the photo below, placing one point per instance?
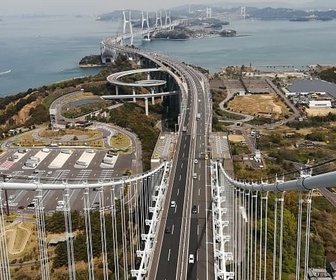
(117, 90)
(153, 92)
(133, 90)
(146, 106)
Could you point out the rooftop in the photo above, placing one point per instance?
(313, 86)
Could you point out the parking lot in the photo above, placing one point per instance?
(58, 165)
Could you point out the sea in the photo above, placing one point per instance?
(40, 50)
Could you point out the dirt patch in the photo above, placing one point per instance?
(319, 111)
(259, 104)
(69, 134)
(18, 237)
(236, 138)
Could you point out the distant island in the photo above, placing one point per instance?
(91, 61)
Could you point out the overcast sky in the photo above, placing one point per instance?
(9, 7)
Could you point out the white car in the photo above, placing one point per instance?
(196, 160)
(191, 258)
(172, 204)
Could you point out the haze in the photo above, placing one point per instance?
(17, 7)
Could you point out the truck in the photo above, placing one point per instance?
(198, 116)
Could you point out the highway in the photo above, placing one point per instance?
(189, 233)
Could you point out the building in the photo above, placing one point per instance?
(319, 104)
(318, 274)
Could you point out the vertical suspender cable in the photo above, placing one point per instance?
(266, 233)
(298, 240)
(261, 236)
(114, 234)
(88, 234)
(255, 234)
(275, 233)
(309, 202)
(281, 234)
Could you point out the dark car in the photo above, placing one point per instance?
(21, 207)
(168, 229)
(194, 209)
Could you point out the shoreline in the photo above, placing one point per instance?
(91, 65)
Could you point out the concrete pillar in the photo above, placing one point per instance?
(148, 74)
(146, 105)
(153, 91)
(134, 99)
(117, 90)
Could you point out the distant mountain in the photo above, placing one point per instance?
(278, 4)
(290, 14)
(198, 11)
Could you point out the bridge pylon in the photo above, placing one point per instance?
(208, 12)
(243, 12)
(158, 20)
(127, 22)
(168, 19)
(145, 24)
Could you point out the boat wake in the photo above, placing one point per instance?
(5, 72)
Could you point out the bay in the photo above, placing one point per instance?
(36, 51)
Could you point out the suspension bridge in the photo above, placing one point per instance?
(227, 235)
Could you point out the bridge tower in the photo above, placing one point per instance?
(208, 12)
(128, 22)
(145, 24)
(158, 20)
(168, 19)
(243, 12)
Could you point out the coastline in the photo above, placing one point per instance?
(91, 65)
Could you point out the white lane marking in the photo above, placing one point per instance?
(197, 229)
(178, 191)
(173, 226)
(168, 254)
(180, 177)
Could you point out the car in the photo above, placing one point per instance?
(31, 206)
(191, 258)
(168, 229)
(206, 156)
(21, 207)
(194, 209)
(49, 173)
(196, 161)
(173, 204)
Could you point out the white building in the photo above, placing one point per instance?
(319, 104)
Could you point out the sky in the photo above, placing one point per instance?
(15, 7)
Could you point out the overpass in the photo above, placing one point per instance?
(228, 235)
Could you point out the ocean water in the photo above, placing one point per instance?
(39, 51)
